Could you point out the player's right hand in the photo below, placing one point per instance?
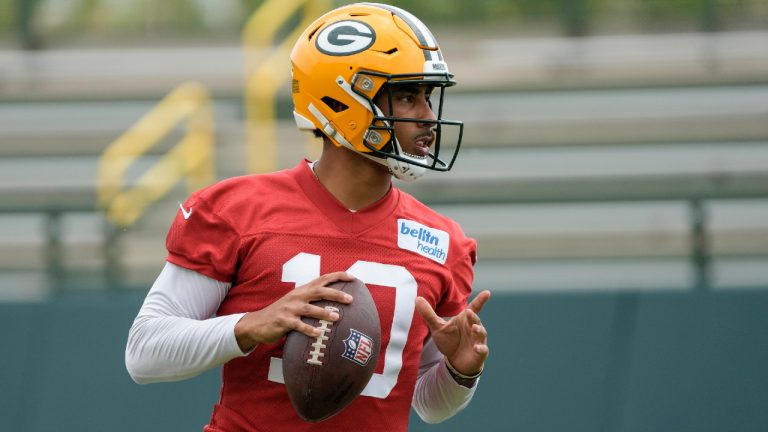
(268, 325)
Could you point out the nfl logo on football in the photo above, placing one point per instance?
(359, 347)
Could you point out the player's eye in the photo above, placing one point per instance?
(405, 97)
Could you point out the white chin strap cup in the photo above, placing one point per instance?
(405, 171)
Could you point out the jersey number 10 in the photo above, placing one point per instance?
(305, 267)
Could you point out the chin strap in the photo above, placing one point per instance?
(403, 170)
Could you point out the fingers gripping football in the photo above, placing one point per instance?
(324, 374)
(268, 325)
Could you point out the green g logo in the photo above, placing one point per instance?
(345, 38)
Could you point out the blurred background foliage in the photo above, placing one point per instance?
(42, 23)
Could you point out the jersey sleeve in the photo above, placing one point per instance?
(461, 266)
(201, 240)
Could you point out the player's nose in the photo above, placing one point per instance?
(424, 111)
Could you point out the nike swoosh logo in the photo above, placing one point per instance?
(184, 212)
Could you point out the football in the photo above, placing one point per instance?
(325, 374)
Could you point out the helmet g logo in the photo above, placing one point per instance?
(345, 38)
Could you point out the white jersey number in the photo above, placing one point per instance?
(305, 267)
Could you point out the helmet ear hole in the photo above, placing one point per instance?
(333, 104)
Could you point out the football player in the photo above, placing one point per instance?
(247, 255)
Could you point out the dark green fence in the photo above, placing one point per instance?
(663, 361)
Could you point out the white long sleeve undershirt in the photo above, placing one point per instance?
(175, 336)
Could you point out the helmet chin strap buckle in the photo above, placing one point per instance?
(330, 130)
(334, 134)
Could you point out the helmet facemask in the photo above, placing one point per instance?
(381, 139)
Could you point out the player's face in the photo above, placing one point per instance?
(411, 101)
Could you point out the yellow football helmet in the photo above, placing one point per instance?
(342, 61)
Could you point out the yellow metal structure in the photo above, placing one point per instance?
(192, 159)
(267, 69)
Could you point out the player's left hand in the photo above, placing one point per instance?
(463, 340)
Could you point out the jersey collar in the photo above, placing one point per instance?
(352, 222)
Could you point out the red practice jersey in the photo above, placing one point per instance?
(267, 234)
